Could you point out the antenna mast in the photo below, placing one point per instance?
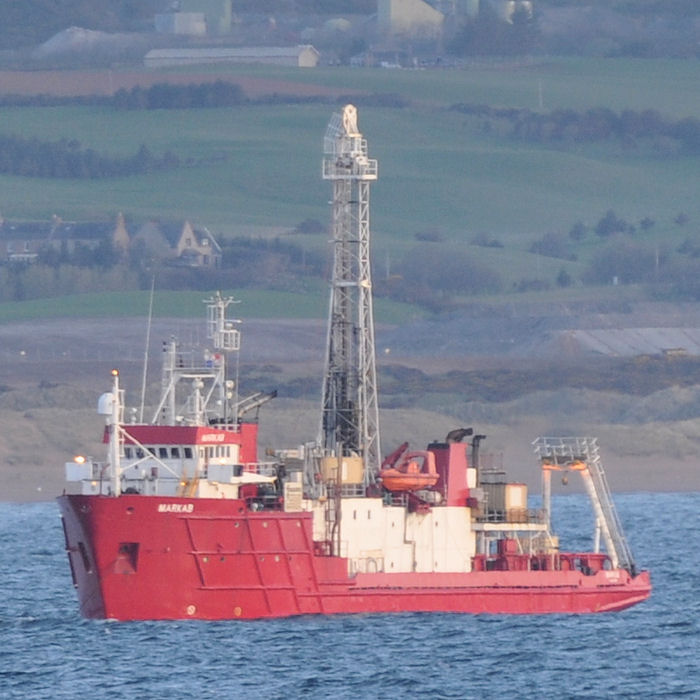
(350, 414)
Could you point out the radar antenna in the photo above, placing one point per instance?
(350, 414)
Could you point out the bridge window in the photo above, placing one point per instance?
(188, 453)
(163, 452)
(175, 452)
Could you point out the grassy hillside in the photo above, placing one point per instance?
(255, 167)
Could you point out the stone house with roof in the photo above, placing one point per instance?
(179, 243)
(23, 241)
(69, 235)
(174, 243)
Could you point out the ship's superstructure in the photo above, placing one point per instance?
(197, 443)
(183, 520)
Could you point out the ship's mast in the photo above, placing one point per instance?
(113, 409)
(204, 380)
(350, 415)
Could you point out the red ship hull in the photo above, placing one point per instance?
(146, 558)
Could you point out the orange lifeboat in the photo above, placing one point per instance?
(410, 474)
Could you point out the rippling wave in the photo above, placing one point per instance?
(650, 651)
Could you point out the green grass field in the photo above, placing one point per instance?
(434, 172)
(171, 304)
(576, 83)
(258, 167)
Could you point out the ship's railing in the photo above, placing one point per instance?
(350, 490)
(588, 563)
(396, 499)
(331, 490)
(512, 515)
(345, 168)
(265, 501)
(230, 426)
(262, 468)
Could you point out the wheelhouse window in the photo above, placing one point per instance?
(175, 452)
(163, 452)
(188, 452)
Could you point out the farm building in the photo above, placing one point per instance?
(22, 241)
(409, 18)
(302, 56)
(425, 19)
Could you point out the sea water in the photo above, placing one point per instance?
(649, 651)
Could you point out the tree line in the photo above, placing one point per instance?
(432, 274)
(487, 34)
(246, 263)
(66, 158)
(29, 23)
(219, 93)
(629, 127)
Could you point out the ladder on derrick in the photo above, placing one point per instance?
(582, 454)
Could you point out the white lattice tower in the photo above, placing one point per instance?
(350, 415)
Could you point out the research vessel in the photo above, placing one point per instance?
(184, 518)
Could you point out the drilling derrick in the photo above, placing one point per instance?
(350, 415)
